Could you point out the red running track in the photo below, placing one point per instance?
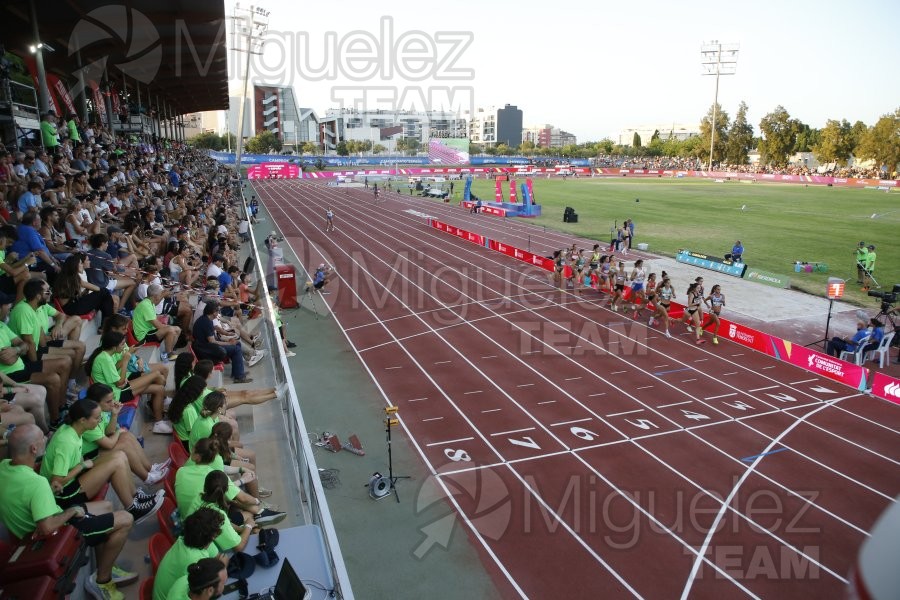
(588, 455)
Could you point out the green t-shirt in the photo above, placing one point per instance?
(25, 498)
(180, 590)
(89, 438)
(48, 135)
(202, 429)
(104, 370)
(198, 403)
(870, 261)
(63, 453)
(73, 130)
(228, 538)
(7, 335)
(189, 481)
(45, 313)
(184, 426)
(142, 318)
(174, 565)
(24, 321)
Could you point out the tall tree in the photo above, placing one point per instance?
(779, 132)
(740, 138)
(807, 137)
(834, 142)
(857, 132)
(882, 143)
(721, 140)
(636, 140)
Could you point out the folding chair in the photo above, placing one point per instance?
(856, 354)
(883, 350)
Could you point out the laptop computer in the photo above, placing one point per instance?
(288, 586)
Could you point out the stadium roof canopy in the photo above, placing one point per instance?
(175, 50)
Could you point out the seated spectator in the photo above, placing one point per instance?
(75, 480)
(13, 269)
(12, 348)
(182, 411)
(737, 252)
(108, 437)
(28, 505)
(206, 344)
(204, 368)
(232, 536)
(77, 295)
(109, 364)
(200, 529)
(30, 201)
(29, 241)
(205, 579)
(106, 268)
(149, 328)
(842, 344)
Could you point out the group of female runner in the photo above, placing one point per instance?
(572, 267)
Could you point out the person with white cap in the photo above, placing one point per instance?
(321, 278)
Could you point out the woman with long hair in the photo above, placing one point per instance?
(109, 364)
(692, 311)
(232, 536)
(665, 293)
(75, 479)
(108, 437)
(715, 301)
(182, 411)
(213, 408)
(76, 294)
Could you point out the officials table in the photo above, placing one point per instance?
(305, 548)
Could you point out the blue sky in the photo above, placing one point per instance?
(592, 68)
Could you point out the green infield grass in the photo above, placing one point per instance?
(777, 223)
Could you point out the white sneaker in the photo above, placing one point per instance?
(163, 427)
(290, 353)
(166, 402)
(156, 476)
(257, 356)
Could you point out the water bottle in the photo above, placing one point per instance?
(9, 431)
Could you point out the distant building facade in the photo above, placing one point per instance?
(491, 126)
(548, 136)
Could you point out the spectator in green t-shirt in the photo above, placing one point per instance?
(870, 268)
(195, 543)
(49, 135)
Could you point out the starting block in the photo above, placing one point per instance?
(355, 446)
(332, 443)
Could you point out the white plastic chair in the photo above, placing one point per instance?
(883, 350)
(856, 354)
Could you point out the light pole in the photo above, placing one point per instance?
(255, 25)
(717, 59)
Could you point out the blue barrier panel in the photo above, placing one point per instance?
(712, 263)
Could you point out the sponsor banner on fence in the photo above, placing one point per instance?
(488, 210)
(886, 387)
(523, 255)
(767, 278)
(746, 336)
(461, 233)
(819, 363)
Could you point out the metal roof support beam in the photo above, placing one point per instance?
(43, 90)
(105, 87)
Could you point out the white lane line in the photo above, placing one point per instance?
(771, 387)
(597, 394)
(490, 410)
(687, 380)
(674, 404)
(738, 354)
(547, 402)
(449, 442)
(570, 422)
(391, 368)
(443, 362)
(525, 385)
(730, 373)
(417, 399)
(513, 431)
(472, 392)
(804, 381)
(432, 419)
(627, 412)
(572, 378)
(766, 368)
(700, 359)
(533, 352)
(721, 396)
(660, 366)
(491, 356)
(618, 372)
(644, 387)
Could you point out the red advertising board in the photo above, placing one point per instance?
(488, 210)
(886, 387)
(273, 170)
(461, 233)
(523, 255)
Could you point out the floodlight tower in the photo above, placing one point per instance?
(253, 24)
(717, 59)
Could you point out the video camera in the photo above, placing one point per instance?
(887, 298)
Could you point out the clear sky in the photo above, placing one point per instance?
(589, 67)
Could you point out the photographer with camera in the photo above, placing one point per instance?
(321, 277)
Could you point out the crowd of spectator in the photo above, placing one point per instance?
(144, 234)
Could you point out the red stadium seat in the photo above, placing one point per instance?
(159, 545)
(164, 517)
(147, 589)
(178, 454)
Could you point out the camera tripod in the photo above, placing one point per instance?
(310, 292)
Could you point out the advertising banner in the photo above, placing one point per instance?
(820, 363)
(711, 263)
(461, 233)
(886, 387)
(273, 171)
(768, 278)
(488, 210)
(523, 255)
